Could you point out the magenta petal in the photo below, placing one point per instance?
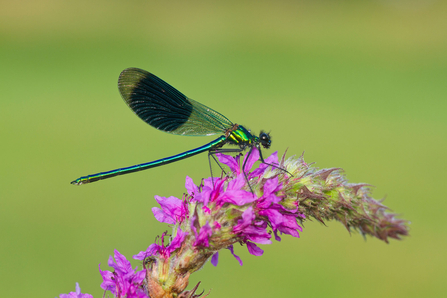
(266, 201)
(254, 230)
(172, 210)
(274, 216)
(191, 187)
(177, 242)
(289, 231)
(271, 185)
(211, 191)
(204, 235)
(78, 289)
(247, 218)
(210, 183)
(205, 195)
(290, 221)
(217, 226)
(237, 197)
(108, 284)
(290, 226)
(152, 250)
(170, 205)
(139, 276)
(236, 184)
(230, 162)
(230, 248)
(276, 236)
(272, 159)
(258, 171)
(251, 159)
(215, 259)
(124, 281)
(254, 249)
(206, 210)
(161, 216)
(111, 262)
(121, 264)
(260, 239)
(76, 294)
(256, 234)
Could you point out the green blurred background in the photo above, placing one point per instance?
(355, 84)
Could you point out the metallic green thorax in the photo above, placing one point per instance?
(240, 136)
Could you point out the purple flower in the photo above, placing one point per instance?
(234, 194)
(162, 250)
(230, 248)
(280, 218)
(124, 281)
(211, 190)
(254, 249)
(215, 259)
(267, 211)
(248, 229)
(218, 194)
(191, 187)
(76, 294)
(202, 239)
(233, 162)
(258, 213)
(172, 210)
(217, 226)
(272, 159)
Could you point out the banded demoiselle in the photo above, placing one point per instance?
(162, 106)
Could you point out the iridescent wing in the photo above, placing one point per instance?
(162, 106)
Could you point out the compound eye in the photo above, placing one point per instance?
(264, 139)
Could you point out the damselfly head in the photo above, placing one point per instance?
(264, 139)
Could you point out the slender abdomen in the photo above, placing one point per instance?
(144, 166)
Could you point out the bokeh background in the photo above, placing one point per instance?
(355, 84)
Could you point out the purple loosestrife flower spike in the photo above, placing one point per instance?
(223, 211)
